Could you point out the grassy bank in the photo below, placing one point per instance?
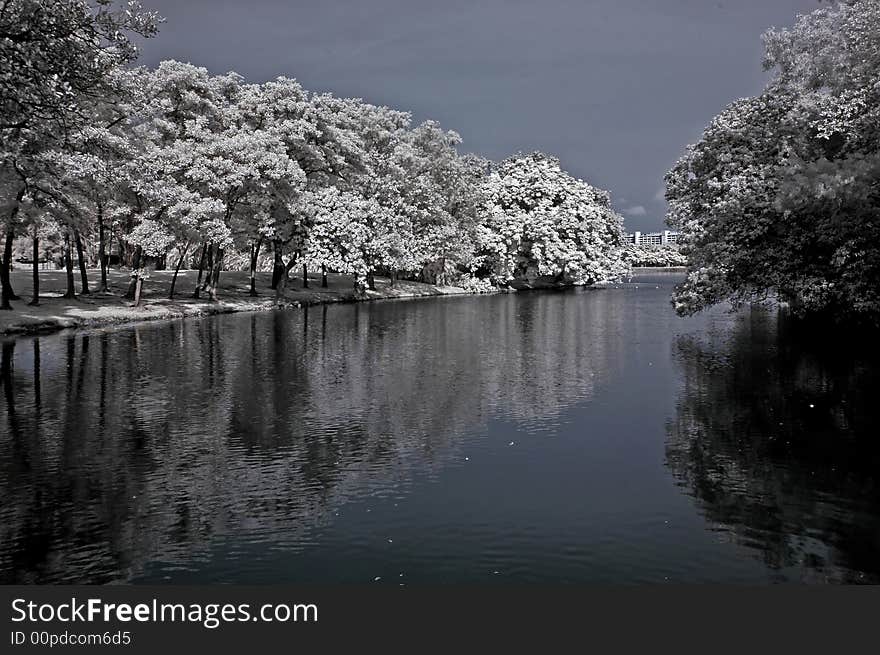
(55, 312)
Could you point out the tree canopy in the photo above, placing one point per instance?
(176, 161)
(780, 196)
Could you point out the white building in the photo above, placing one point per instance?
(653, 238)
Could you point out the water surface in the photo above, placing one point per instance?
(579, 436)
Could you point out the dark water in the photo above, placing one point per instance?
(584, 436)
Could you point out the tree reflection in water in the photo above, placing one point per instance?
(222, 449)
(128, 445)
(776, 438)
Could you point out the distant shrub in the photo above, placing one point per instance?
(668, 255)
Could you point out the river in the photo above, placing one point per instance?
(576, 436)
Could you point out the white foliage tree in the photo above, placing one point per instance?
(542, 222)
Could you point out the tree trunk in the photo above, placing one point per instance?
(196, 293)
(102, 249)
(279, 288)
(135, 266)
(371, 281)
(255, 253)
(6, 268)
(393, 276)
(110, 249)
(139, 284)
(35, 300)
(68, 264)
(126, 253)
(10, 237)
(282, 280)
(305, 277)
(359, 286)
(209, 266)
(177, 270)
(6, 291)
(84, 278)
(219, 269)
(278, 268)
(215, 275)
(324, 276)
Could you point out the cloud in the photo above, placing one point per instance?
(635, 210)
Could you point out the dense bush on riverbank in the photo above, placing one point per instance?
(172, 166)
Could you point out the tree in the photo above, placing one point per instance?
(177, 114)
(321, 136)
(44, 174)
(56, 56)
(780, 196)
(277, 114)
(173, 158)
(540, 221)
(43, 232)
(343, 235)
(55, 52)
(14, 191)
(238, 168)
(431, 192)
(152, 239)
(721, 200)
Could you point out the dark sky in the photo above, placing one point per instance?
(614, 88)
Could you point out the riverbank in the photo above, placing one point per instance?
(57, 313)
(96, 309)
(649, 270)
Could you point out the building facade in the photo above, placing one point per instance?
(653, 238)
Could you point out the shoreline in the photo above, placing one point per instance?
(660, 269)
(55, 313)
